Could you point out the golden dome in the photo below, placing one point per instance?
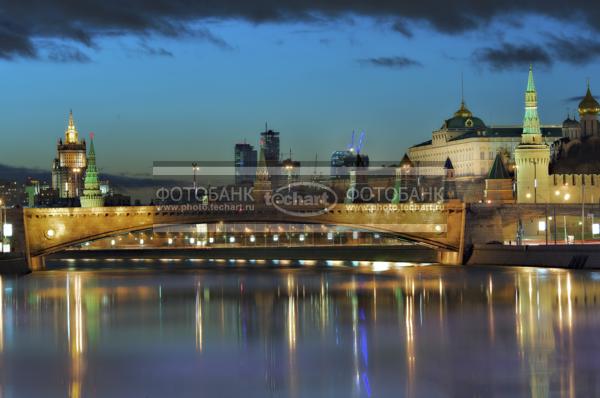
(463, 111)
(588, 104)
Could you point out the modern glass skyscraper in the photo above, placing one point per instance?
(270, 142)
(245, 163)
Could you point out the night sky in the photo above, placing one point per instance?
(179, 80)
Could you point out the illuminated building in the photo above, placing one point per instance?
(471, 145)
(92, 196)
(68, 168)
(262, 183)
(588, 113)
(245, 163)
(572, 173)
(499, 183)
(270, 144)
(291, 170)
(12, 193)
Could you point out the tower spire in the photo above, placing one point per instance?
(530, 83)
(462, 88)
(92, 196)
(531, 120)
(71, 135)
(262, 181)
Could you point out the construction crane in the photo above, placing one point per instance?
(361, 140)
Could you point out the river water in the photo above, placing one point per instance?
(265, 329)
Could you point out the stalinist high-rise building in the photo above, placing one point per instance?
(68, 168)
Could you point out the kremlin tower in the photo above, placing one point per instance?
(92, 196)
(532, 155)
(262, 184)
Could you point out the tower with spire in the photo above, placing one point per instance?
(262, 183)
(532, 155)
(531, 121)
(69, 166)
(92, 196)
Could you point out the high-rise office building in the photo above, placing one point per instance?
(270, 143)
(245, 157)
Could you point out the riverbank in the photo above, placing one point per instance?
(552, 256)
(14, 265)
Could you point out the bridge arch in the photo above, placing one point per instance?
(52, 230)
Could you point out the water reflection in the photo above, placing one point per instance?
(300, 332)
(75, 333)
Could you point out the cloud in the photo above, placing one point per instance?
(66, 54)
(400, 27)
(146, 49)
(24, 22)
(398, 62)
(576, 50)
(512, 56)
(207, 35)
(575, 98)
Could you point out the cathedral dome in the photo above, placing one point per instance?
(568, 122)
(589, 105)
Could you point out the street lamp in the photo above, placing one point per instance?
(1, 220)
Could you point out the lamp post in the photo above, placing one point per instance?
(546, 221)
(582, 209)
(1, 223)
(554, 218)
(535, 182)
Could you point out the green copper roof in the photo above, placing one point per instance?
(92, 197)
(531, 120)
(498, 170)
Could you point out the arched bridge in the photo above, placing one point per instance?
(50, 230)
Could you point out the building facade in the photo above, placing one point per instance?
(471, 145)
(270, 143)
(69, 167)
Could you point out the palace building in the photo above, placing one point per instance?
(531, 163)
(471, 145)
(69, 167)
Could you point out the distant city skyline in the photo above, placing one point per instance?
(154, 97)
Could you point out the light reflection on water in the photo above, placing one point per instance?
(300, 332)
